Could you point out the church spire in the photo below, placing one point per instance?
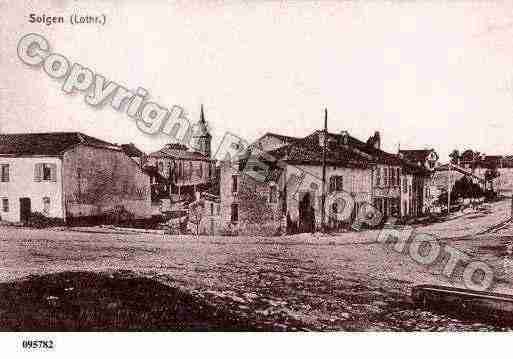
(202, 115)
(202, 137)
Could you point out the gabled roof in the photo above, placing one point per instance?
(47, 144)
(453, 167)
(368, 152)
(280, 137)
(177, 152)
(131, 150)
(308, 151)
(416, 155)
(342, 150)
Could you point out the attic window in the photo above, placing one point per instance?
(345, 137)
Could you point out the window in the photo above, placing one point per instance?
(190, 169)
(378, 176)
(45, 172)
(392, 176)
(211, 209)
(5, 204)
(200, 170)
(160, 166)
(405, 185)
(5, 173)
(385, 176)
(46, 206)
(273, 194)
(336, 184)
(398, 177)
(235, 212)
(235, 184)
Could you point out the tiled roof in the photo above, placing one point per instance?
(131, 150)
(416, 155)
(342, 150)
(308, 151)
(281, 137)
(47, 144)
(453, 167)
(178, 153)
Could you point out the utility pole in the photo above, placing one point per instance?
(449, 179)
(323, 198)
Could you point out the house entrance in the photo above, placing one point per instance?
(25, 209)
(306, 214)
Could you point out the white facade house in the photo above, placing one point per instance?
(67, 174)
(32, 184)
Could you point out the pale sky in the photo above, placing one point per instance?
(424, 74)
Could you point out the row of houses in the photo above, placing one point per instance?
(73, 176)
(274, 185)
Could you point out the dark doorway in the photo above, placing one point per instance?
(24, 209)
(306, 214)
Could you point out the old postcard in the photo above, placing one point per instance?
(254, 166)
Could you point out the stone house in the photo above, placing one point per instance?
(68, 175)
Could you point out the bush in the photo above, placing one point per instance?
(39, 220)
(119, 215)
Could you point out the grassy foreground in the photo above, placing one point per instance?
(88, 301)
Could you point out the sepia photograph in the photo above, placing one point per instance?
(335, 167)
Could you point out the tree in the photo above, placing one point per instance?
(466, 188)
(455, 157)
(491, 174)
(462, 188)
(196, 211)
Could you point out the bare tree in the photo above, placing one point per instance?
(196, 212)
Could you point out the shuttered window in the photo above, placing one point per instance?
(336, 184)
(5, 204)
(45, 172)
(5, 173)
(235, 184)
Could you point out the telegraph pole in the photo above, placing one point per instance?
(323, 198)
(449, 190)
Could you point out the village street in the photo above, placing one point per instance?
(343, 282)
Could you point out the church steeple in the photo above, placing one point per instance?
(202, 115)
(202, 137)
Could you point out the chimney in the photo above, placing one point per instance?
(345, 137)
(377, 140)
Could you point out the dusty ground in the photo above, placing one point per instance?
(344, 282)
(119, 301)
